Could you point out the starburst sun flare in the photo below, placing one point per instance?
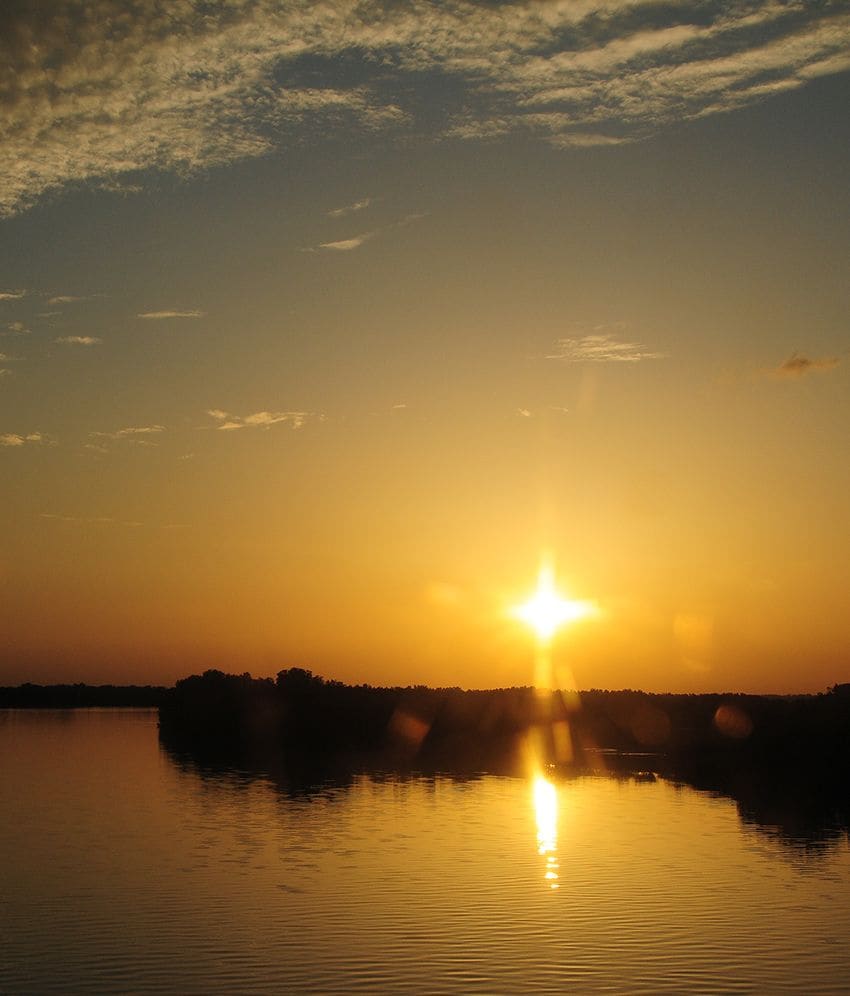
(546, 611)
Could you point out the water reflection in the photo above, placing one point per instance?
(809, 814)
(123, 873)
(545, 797)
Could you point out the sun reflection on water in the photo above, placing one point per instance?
(546, 814)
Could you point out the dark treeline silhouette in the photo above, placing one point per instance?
(80, 696)
(300, 713)
(784, 759)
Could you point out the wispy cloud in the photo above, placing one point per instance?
(65, 299)
(79, 340)
(601, 347)
(14, 295)
(156, 316)
(14, 439)
(180, 91)
(259, 420)
(350, 208)
(346, 245)
(798, 365)
(135, 433)
(16, 328)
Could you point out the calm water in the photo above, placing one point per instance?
(121, 871)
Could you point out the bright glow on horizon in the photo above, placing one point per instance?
(546, 611)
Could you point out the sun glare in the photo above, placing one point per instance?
(546, 611)
(546, 815)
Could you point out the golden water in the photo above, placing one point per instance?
(124, 872)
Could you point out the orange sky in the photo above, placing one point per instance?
(319, 385)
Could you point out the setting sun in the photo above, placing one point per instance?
(546, 611)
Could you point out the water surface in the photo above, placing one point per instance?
(124, 870)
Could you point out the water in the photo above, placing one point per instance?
(122, 870)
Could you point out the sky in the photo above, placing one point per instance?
(323, 323)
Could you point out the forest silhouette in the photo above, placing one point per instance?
(784, 759)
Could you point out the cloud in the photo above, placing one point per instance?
(109, 90)
(524, 412)
(79, 340)
(261, 420)
(13, 439)
(14, 295)
(157, 316)
(346, 245)
(135, 434)
(350, 208)
(798, 366)
(601, 347)
(16, 328)
(65, 299)
(4, 372)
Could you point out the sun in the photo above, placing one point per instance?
(546, 611)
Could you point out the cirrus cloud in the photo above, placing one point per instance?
(101, 91)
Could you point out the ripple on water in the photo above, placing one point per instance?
(146, 878)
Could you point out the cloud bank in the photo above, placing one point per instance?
(97, 92)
